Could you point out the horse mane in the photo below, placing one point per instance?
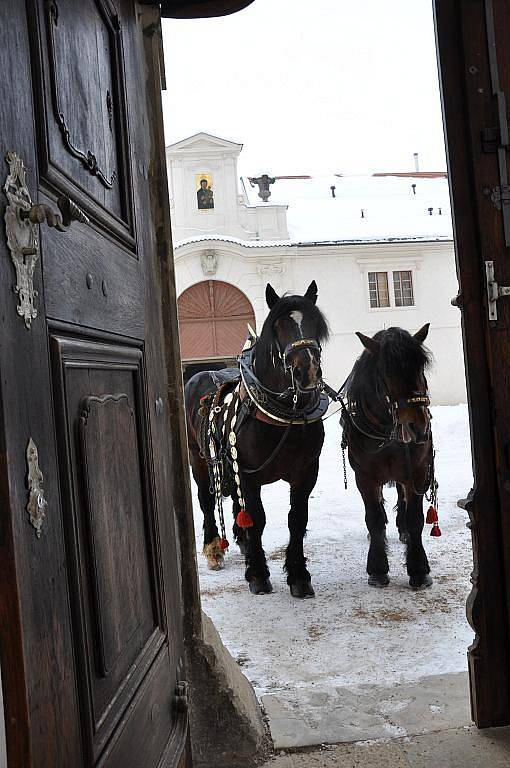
(399, 354)
(284, 306)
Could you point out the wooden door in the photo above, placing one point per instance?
(213, 318)
(474, 61)
(90, 605)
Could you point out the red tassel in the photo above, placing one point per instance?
(243, 519)
(431, 516)
(436, 530)
(224, 544)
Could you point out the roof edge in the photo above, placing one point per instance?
(201, 9)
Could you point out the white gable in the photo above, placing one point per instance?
(201, 143)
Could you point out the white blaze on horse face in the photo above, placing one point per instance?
(298, 319)
(297, 316)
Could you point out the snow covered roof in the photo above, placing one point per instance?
(391, 209)
(231, 239)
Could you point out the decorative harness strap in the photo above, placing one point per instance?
(222, 416)
(222, 425)
(272, 404)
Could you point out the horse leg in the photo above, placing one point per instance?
(298, 577)
(212, 549)
(416, 560)
(401, 514)
(375, 519)
(257, 572)
(240, 535)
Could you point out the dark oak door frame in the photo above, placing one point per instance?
(466, 54)
(472, 42)
(474, 62)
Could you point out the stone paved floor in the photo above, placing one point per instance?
(421, 725)
(339, 715)
(453, 748)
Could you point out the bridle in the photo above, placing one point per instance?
(368, 428)
(395, 435)
(422, 400)
(273, 402)
(288, 369)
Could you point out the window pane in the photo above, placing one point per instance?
(403, 288)
(378, 289)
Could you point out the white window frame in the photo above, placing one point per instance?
(401, 288)
(389, 265)
(388, 289)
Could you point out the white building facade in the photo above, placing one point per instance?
(380, 249)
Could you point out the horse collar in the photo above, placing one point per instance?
(270, 403)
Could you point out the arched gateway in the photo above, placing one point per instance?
(213, 317)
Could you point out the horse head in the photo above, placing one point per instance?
(399, 360)
(292, 336)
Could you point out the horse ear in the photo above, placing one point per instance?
(271, 296)
(371, 344)
(422, 334)
(311, 292)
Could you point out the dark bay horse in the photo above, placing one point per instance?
(276, 433)
(388, 436)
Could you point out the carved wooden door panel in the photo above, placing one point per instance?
(91, 651)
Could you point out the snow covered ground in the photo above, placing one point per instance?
(350, 634)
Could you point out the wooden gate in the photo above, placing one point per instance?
(213, 318)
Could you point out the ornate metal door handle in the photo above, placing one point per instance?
(21, 220)
(40, 213)
(37, 504)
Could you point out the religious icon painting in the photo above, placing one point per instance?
(205, 194)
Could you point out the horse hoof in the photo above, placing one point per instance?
(260, 587)
(378, 580)
(214, 555)
(215, 562)
(421, 582)
(302, 589)
(404, 537)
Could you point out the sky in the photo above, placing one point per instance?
(310, 86)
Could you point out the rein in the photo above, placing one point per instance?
(273, 455)
(393, 406)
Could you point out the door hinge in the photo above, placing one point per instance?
(494, 291)
(498, 196)
(180, 700)
(497, 138)
(491, 140)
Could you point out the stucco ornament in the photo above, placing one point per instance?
(271, 270)
(209, 262)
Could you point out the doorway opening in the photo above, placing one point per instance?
(302, 627)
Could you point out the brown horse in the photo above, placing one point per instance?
(273, 415)
(388, 436)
